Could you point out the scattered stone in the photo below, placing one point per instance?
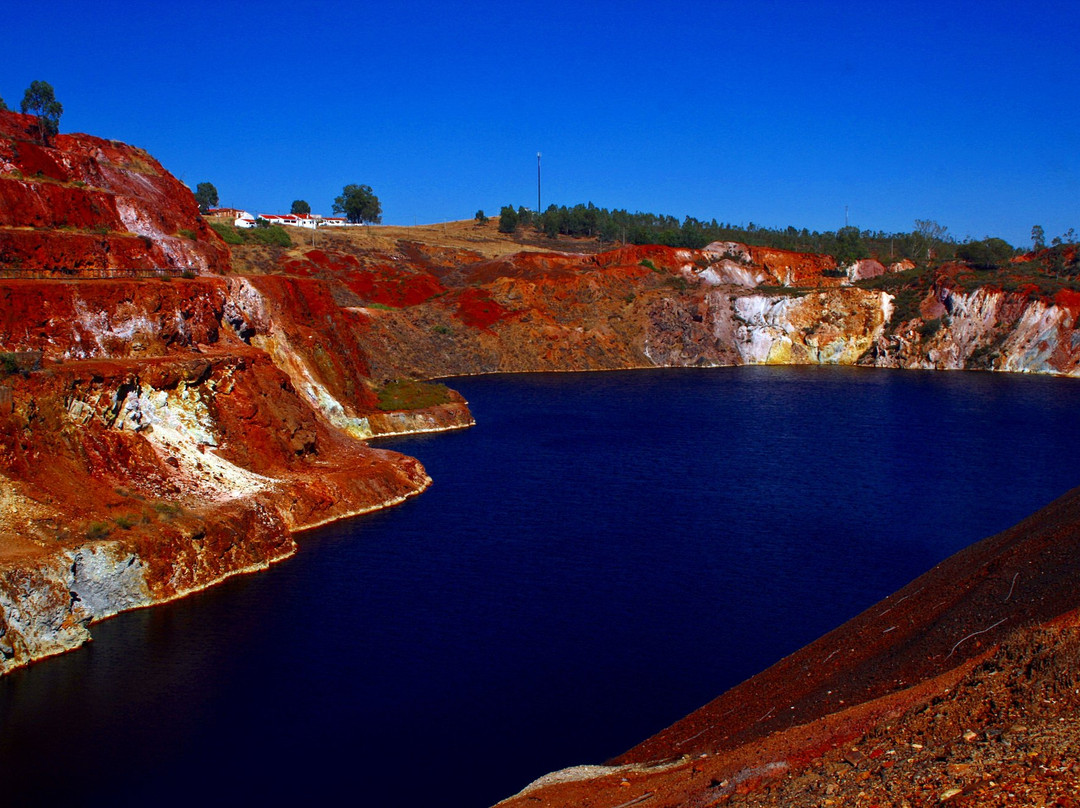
(854, 757)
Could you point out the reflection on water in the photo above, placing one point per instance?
(602, 554)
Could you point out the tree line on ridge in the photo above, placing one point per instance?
(927, 241)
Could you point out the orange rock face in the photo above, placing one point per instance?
(959, 668)
(795, 269)
(68, 320)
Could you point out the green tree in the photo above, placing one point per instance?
(3, 106)
(40, 100)
(1038, 237)
(481, 217)
(206, 195)
(553, 221)
(990, 253)
(508, 219)
(299, 206)
(359, 204)
(849, 246)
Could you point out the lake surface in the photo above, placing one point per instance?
(602, 554)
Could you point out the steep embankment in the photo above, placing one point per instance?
(129, 483)
(149, 447)
(104, 205)
(962, 686)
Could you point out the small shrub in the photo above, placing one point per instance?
(186, 233)
(782, 291)
(167, 510)
(442, 329)
(648, 264)
(188, 274)
(275, 235)
(983, 357)
(229, 234)
(929, 328)
(9, 365)
(124, 522)
(98, 530)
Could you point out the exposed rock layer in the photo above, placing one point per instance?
(103, 204)
(149, 445)
(415, 316)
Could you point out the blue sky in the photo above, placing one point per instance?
(776, 113)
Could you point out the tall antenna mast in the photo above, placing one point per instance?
(538, 182)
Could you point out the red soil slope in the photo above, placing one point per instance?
(944, 670)
(101, 204)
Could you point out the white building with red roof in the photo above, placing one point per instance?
(308, 220)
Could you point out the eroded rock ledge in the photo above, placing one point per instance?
(132, 483)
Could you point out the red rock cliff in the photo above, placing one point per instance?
(147, 447)
(84, 203)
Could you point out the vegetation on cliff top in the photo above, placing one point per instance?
(261, 234)
(926, 243)
(40, 100)
(1041, 275)
(412, 395)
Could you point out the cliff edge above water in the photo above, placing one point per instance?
(158, 430)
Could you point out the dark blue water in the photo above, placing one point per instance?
(601, 555)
